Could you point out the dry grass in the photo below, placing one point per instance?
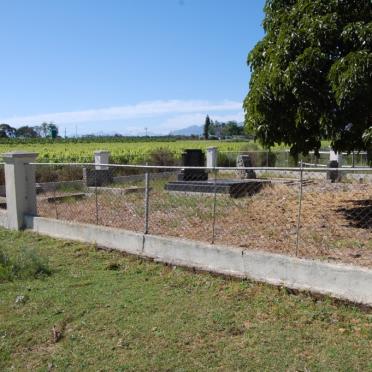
(336, 219)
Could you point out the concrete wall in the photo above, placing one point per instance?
(3, 218)
(118, 239)
(341, 281)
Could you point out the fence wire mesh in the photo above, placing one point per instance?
(2, 187)
(262, 158)
(298, 213)
(264, 219)
(336, 219)
(186, 211)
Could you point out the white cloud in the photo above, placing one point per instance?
(140, 110)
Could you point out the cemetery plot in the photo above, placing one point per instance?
(335, 218)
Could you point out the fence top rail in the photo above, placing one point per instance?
(343, 166)
(177, 167)
(288, 151)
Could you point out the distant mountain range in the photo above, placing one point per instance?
(196, 130)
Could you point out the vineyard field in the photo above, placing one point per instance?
(121, 152)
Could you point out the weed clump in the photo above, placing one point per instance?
(23, 263)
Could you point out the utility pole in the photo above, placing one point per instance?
(65, 134)
(146, 131)
(75, 130)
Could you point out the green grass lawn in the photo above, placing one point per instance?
(122, 313)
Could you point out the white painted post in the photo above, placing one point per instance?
(20, 187)
(336, 156)
(211, 157)
(101, 157)
(335, 161)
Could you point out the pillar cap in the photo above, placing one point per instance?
(16, 155)
(101, 152)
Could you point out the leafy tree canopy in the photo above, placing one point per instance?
(312, 75)
(26, 132)
(228, 129)
(6, 131)
(47, 130)
(207, 125)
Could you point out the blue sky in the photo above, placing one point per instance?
(122, 65)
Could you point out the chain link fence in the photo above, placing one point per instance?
(282, 158)
(301, 213)
(2, 187)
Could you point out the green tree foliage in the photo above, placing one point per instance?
(223, 130)
(26, 132)
(6, 131)
(312, 75)
(47, 130)
(232, 128)
(207, 125)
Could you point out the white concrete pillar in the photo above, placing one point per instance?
(20, 187)
(336, 156)
(101, 157)
(211, 157)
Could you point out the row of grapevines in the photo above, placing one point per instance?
(121, 153)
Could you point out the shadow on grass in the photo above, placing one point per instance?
(358, 213)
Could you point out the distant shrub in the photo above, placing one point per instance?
(226, 159)
(162, 157)
(58, 173)
(24, 263)
(259, 157)
(250, 146)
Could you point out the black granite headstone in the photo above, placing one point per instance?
(333, 175)
(193, 158)
(97, 177)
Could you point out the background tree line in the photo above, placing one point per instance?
(44, 130)
(217, 129)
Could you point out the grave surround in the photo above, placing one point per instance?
(196, 180)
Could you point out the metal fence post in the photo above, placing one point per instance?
(214, 206)
(299, 207)
(96, 194)
(146, 222)
(54, 196)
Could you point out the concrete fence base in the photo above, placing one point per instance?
(340, 281)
